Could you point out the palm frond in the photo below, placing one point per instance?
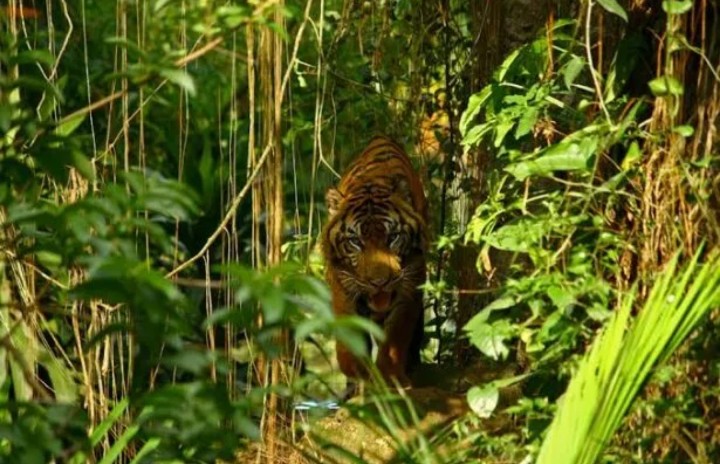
(622, 358)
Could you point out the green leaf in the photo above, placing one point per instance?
(475, 104)
(61, 377)
(68, 125)
(56, 158)
(560, 297)
(677, 6)
(623, 356)
(666, 85)
(490, 338)
(83, 165)
(104, 427)
(483, 400)
(475, 135)
(572, 70)
(613, 7)
(501, 303)
(147, 448)
(119, 446)
(501, 130)
(684, 130)
(564, 156)
(23, 338)
(180, 78)
(526, 122)
(632, 157)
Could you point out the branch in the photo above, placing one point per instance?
(228, 216)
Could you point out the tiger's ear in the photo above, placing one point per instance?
(333, 199)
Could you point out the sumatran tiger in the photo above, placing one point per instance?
(374, 246)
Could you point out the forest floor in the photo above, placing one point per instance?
(378, 428)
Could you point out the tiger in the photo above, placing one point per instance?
(375, 244)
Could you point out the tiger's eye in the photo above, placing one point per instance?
(355, 242)
(393, 238)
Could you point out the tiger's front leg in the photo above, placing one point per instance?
(349, 364)
(400, 330)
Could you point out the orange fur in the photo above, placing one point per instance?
(374, 245)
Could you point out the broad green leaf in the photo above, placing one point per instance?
(180, 78)
(560, 297)
(632, 157)
(25, 343)
(68, 125)
(233, 15)
(564, 156)
(475, 135)
(56, 159)
(47, 106)
(572, 70)
(677, 6)
(613, 7)
(684, 130)
(506, 64)
(501, 303)
(490, 338)
(475, 104)
(527, 122)
(501, 130)
(666, 85)
(36, 56)
(483, 400)
(83, 165)
(61, 377)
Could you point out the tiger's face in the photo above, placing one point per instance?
(375, 241)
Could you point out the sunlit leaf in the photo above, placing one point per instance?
(572, 70)
(677, 6)
(684, 130)
(527, 122)
(490, 338)
(475, 104)
(613, 7)
(483, 400)
(568, 155)
(632, 157)
(666, 85)
(69, 125)
(621, 359)
(61, 377)
(181, 78)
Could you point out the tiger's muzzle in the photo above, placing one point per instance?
(380, 271)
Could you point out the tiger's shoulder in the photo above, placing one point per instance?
(382, 158)
(384, 162)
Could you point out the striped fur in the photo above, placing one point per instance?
(374, 245)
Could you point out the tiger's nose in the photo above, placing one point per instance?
(381, 281)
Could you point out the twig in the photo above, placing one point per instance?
(111, 98)
(588, 51)
(228, 216)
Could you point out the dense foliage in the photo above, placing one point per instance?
(162, 173)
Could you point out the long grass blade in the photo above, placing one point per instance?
(623, 356)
